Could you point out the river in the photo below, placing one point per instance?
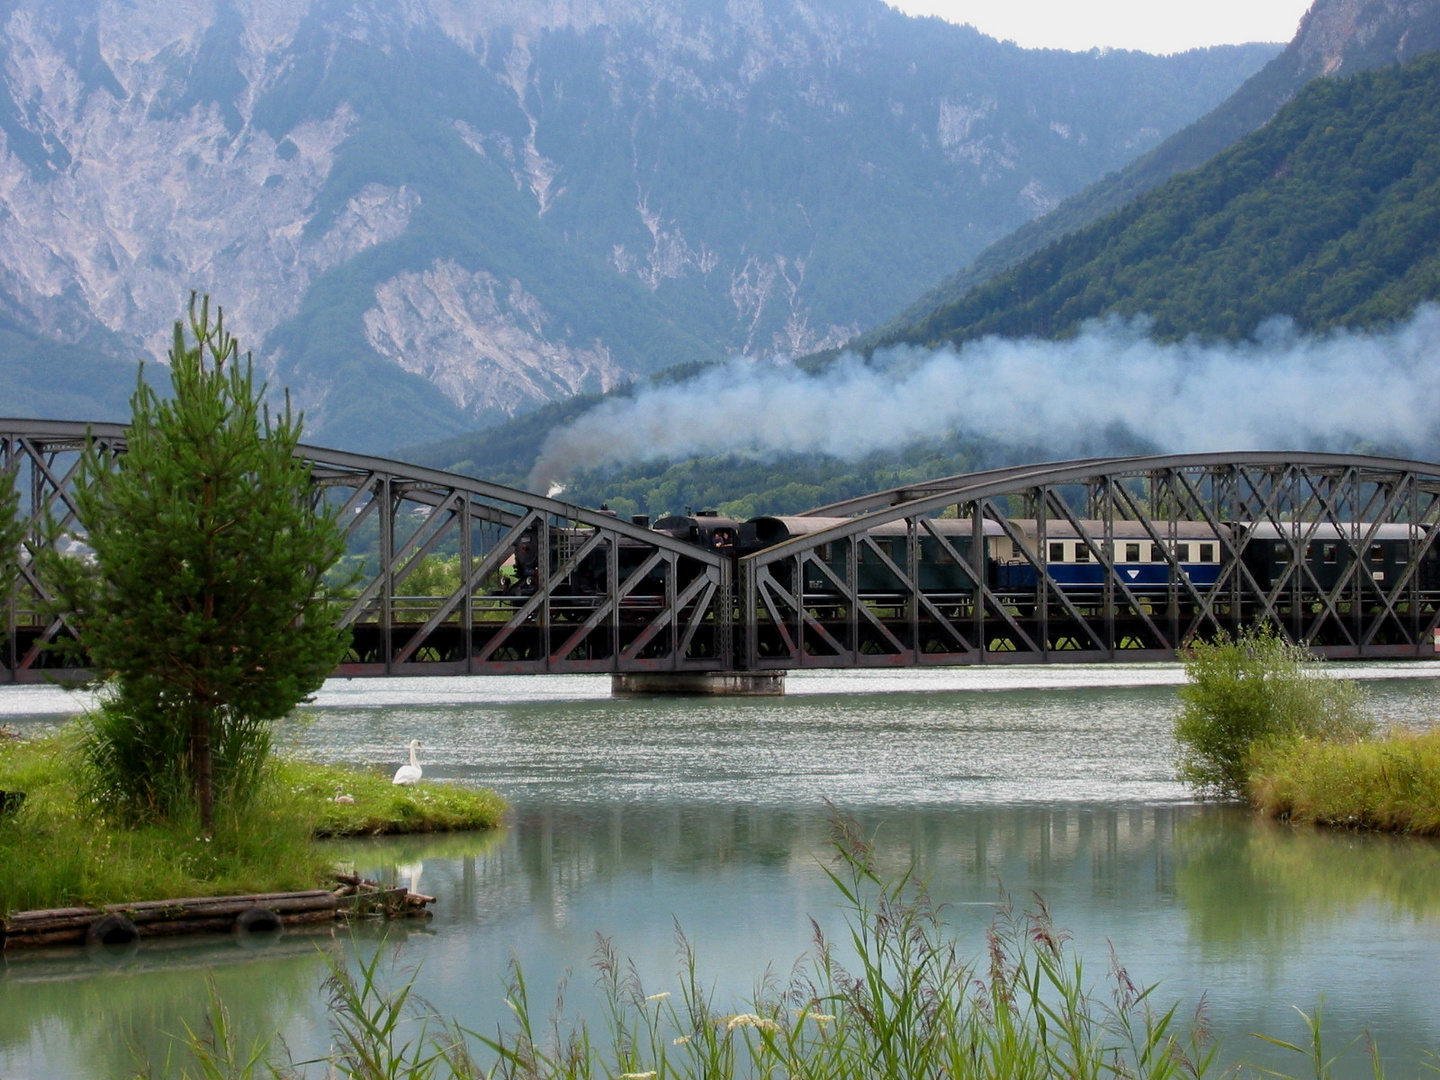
(632, 818)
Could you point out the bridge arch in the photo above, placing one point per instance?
(1098, 560)
(614, 595)
(1101, 559)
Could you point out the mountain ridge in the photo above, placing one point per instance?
(1334, 38)
(429, 215)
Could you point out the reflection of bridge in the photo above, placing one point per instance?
(1093, 560)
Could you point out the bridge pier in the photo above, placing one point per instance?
(699, 683)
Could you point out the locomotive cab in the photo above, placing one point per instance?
(706, 529)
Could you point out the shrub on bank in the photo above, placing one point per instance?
(60, 849)
(1391, 783)
(1244, 691)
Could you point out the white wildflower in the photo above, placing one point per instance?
(747, 1020)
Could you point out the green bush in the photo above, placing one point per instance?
(1255, 687)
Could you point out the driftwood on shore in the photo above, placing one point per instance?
(121, 924)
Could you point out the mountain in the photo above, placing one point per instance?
(430, 215)
(1329, 215)
(1335, 38)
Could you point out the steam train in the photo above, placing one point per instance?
(1144, 561)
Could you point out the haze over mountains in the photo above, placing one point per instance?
(427, 215)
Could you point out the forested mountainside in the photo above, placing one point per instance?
(427, 215)
(1336, 38)
(1329, 216)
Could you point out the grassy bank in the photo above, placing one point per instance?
(56, 851)
(1390, 783)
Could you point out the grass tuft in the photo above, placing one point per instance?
(1390, 783)
(381, 807)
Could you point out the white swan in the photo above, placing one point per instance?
(409, 774)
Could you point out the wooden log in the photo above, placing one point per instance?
(69, 936)
(144, 914)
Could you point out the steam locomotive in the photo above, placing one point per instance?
(1146, 560)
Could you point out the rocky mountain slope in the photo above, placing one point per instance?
(1335, 38)
(426, 215)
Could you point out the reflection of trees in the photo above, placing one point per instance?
(1269, 882)
(96, 1017)
(551, 856)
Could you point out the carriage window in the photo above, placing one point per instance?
(1157, 553)
(1132, 552)
(1207, 552)
(1330, 552)
(1057, 552)
(1282, 552)
(1182, 552)
(1082, 553)
(1377, 552)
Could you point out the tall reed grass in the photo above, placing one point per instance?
(1390, 783)
(893, 999)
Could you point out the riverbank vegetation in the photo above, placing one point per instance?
(1390, 783)
(62, 847)
(1261, 719)
(905, 1001)
(205, 601)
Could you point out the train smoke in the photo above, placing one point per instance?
(1283, 390)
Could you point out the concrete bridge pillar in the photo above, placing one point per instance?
(699, 683)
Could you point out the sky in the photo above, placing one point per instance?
(1157, 26)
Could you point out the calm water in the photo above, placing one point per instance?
(631, 817)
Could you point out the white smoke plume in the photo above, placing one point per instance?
(1282, 391)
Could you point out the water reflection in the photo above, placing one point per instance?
(1278, 884)
(68, 1013)
(633, 817)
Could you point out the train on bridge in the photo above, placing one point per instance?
(1080, 557)
(1092, 560)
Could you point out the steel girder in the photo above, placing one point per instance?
(805, 603)
(665, 605)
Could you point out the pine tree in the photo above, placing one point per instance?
(204, 609)
(12, 535)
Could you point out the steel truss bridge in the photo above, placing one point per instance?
(665, 605)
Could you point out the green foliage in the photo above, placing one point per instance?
(266, 845)
(12, 534)
(1245, 691)
(738, 485)
(205, 606)
(382, 807)
(436, 575)
(1391, 784)
(1326, 215)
